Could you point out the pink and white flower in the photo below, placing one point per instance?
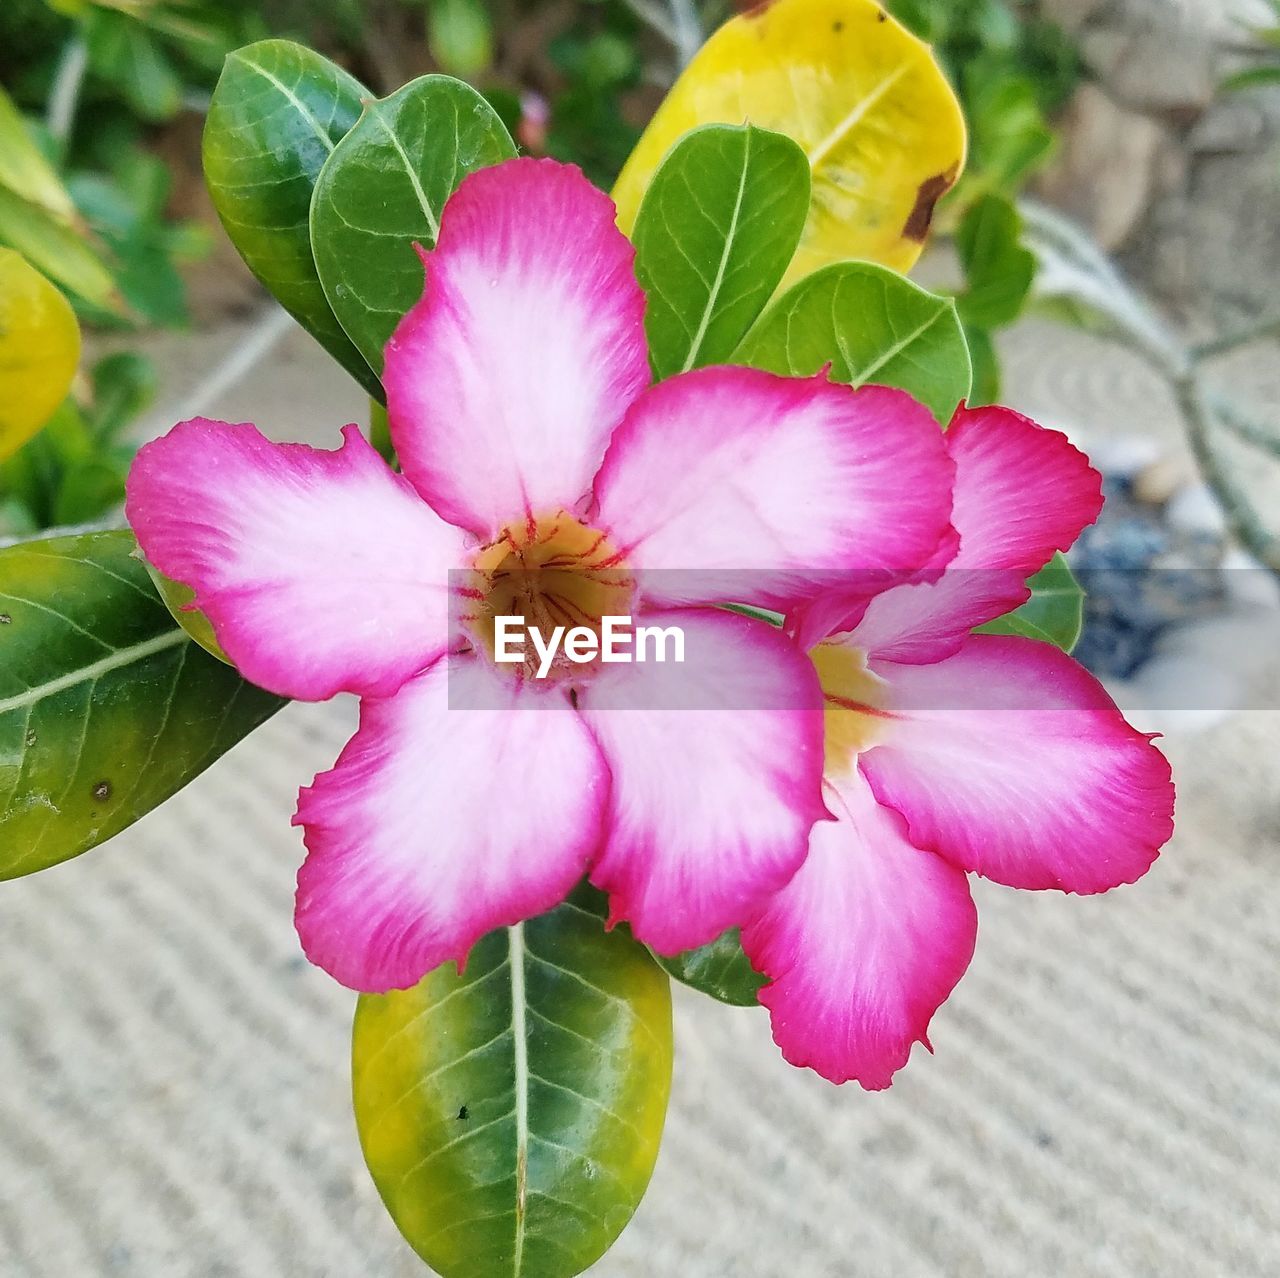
(533, 452)
(950, 753)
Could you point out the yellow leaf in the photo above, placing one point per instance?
(39, 350)
(880, 124)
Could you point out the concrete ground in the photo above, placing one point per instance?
(1104, 1098)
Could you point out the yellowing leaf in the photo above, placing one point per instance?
(24, 170)
(880, 125)
(39, 350)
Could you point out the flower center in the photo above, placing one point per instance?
(550, 572)
(852, 698)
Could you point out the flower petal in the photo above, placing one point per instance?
(440, 822)
(927, 621)
(1021, 493)
(781, 487)
(863, 945)
(716, 766)
(1010, 760)
(505, 382)
(321, 572)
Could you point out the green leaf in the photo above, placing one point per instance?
(1011, 138)
(178, 598)
(56, 250)
(986, 367)
(716, 231)
(1253, 78)
(89, 489)
(511, 1116)
(998, 269)
(124, 385)
(276, 115)
(106, 707)
(383, 190)
(24, 169)
(460, 35)
(720, 968)
(870, 325)
(1054, 613)
(126, 209)
(124, 52)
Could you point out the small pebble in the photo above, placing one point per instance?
(1155, 484)
(1193, 509)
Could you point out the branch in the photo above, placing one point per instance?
(1258, 331)
(678, 24)
(652, 16)
(688, 30)
(1243, 426)
(1243, 521)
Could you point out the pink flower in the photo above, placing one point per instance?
(519, 408)
(950, 753)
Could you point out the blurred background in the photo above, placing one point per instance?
(1105, 1098)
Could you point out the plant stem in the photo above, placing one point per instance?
(1245, 524)
(1260, 330)
(688, 30)
(678, 24)
(60, 115)
(654, 17)
(1243, 426)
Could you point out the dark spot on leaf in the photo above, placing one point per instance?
(464, 1113)
(5, 619)
(837, 27)
(102, 790)
(881, 16)
(927, 197)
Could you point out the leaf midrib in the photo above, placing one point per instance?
(520, 1044)
(120, 657)
(855, 117)
(718, 283)
(305, 111)
(892, 353)
(410, 171)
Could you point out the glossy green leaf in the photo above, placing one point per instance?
(716, 232)
(106, 706)
(998, 269)
(383, 190)
(1054, 613)
(276, 115)
(720, 968)
(870, 325)
(511, 1115)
